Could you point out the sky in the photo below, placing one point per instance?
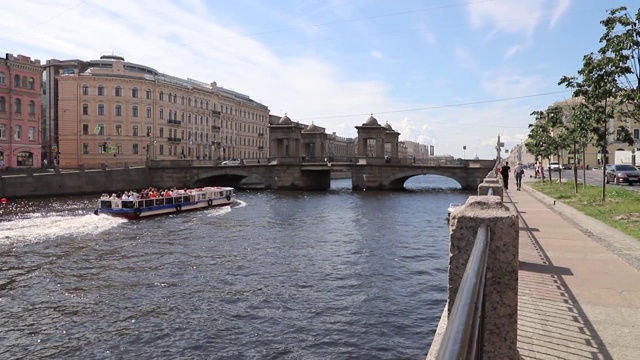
(451, 74)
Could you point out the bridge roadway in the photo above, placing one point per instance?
(579, 283)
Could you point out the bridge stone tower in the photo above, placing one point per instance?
(372, 140)
(314, 141)
(285, 140)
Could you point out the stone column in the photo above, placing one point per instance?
(491, 182)
(501, 287)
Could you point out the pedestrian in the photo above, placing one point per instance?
(504, 171)
(518, 171)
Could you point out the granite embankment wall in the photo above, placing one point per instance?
(56, 183)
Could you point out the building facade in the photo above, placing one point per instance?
(112, 111)
(20, 112)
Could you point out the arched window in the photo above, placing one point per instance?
(3, 104)
(161, 96)
(181, 101)
(118, 91)
(85, 89)
(100, 90)
(18, 105)
(1, 78)
(32, 107)
(16, 81)
(134, 111)
(134, 92)
(118, 110)
(161, 113)
(182, 116)
(170, 97)
(32, 83)
(189, 101)
(149, 94)
(148, 113)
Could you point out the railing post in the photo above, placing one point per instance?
(491, 182)
(501, 287)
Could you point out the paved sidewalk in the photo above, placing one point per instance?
(579, 283)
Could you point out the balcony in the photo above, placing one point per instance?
(215, 113)
(260, 134)
(174, 122)
(174, 139)
(215, 128)
(260, 147)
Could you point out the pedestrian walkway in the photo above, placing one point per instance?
(579, 283)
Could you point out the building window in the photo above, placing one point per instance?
(136, 149)
(3, 131)
(135, 130)
(636, 134)
(85, 109)
(32, 107)
(85, 89)
(148, 130)
(161, 149)
(189, 117)
(100, 90)
(3, 104)
(134, 111)
(161, 96)
(32, 133)
(18, 104)
(182, 117)
(148, 113)
(17, 132)
(1, 78)
(99, 130)
(134, 92)
(102, 148)
(16, 81)
(85, 129)
(161, 113)
(161, 132)
(182, 100)
(118, 110)
(118, 91)
(118, 129)
(24, 158)
(32, 83)
(85, 148)
(149, 94)
(101, 109)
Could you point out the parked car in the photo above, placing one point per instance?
(566, 167)
(231, 162)
(554, 166)
(622, 173)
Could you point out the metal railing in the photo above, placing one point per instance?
(462, 338)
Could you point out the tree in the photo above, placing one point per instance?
(605, 80)
(578, 124)
(539, 139)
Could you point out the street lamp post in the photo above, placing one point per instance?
(464, 151)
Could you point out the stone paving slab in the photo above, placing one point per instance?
(579, 284)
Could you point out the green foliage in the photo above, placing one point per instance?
(620, 210)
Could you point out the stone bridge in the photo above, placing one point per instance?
(288, 175)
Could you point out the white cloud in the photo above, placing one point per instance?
(377, 54)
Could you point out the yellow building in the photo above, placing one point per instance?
(115, 112)
(592, 156)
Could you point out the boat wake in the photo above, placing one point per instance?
(239, 204)
(38, 227)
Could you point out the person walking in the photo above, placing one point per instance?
(504, 171)
(518, 171)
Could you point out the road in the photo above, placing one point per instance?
(594, 177)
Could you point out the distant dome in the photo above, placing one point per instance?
(387, 126)
(285, 120)
(312, 128)
(372, 121)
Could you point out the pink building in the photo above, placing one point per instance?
(20, 112)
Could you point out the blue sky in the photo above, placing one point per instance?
(443, 73)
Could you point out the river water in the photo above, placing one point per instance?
(279, 275)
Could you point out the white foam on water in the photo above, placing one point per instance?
(39, 227)
(217, 211)
(240, 204)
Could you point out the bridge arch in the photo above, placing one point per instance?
(229, 176)
(397, 180)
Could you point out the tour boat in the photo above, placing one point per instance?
(182, 200)
(452, 207)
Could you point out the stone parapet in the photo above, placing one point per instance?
(491, 183)
(501, 287)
